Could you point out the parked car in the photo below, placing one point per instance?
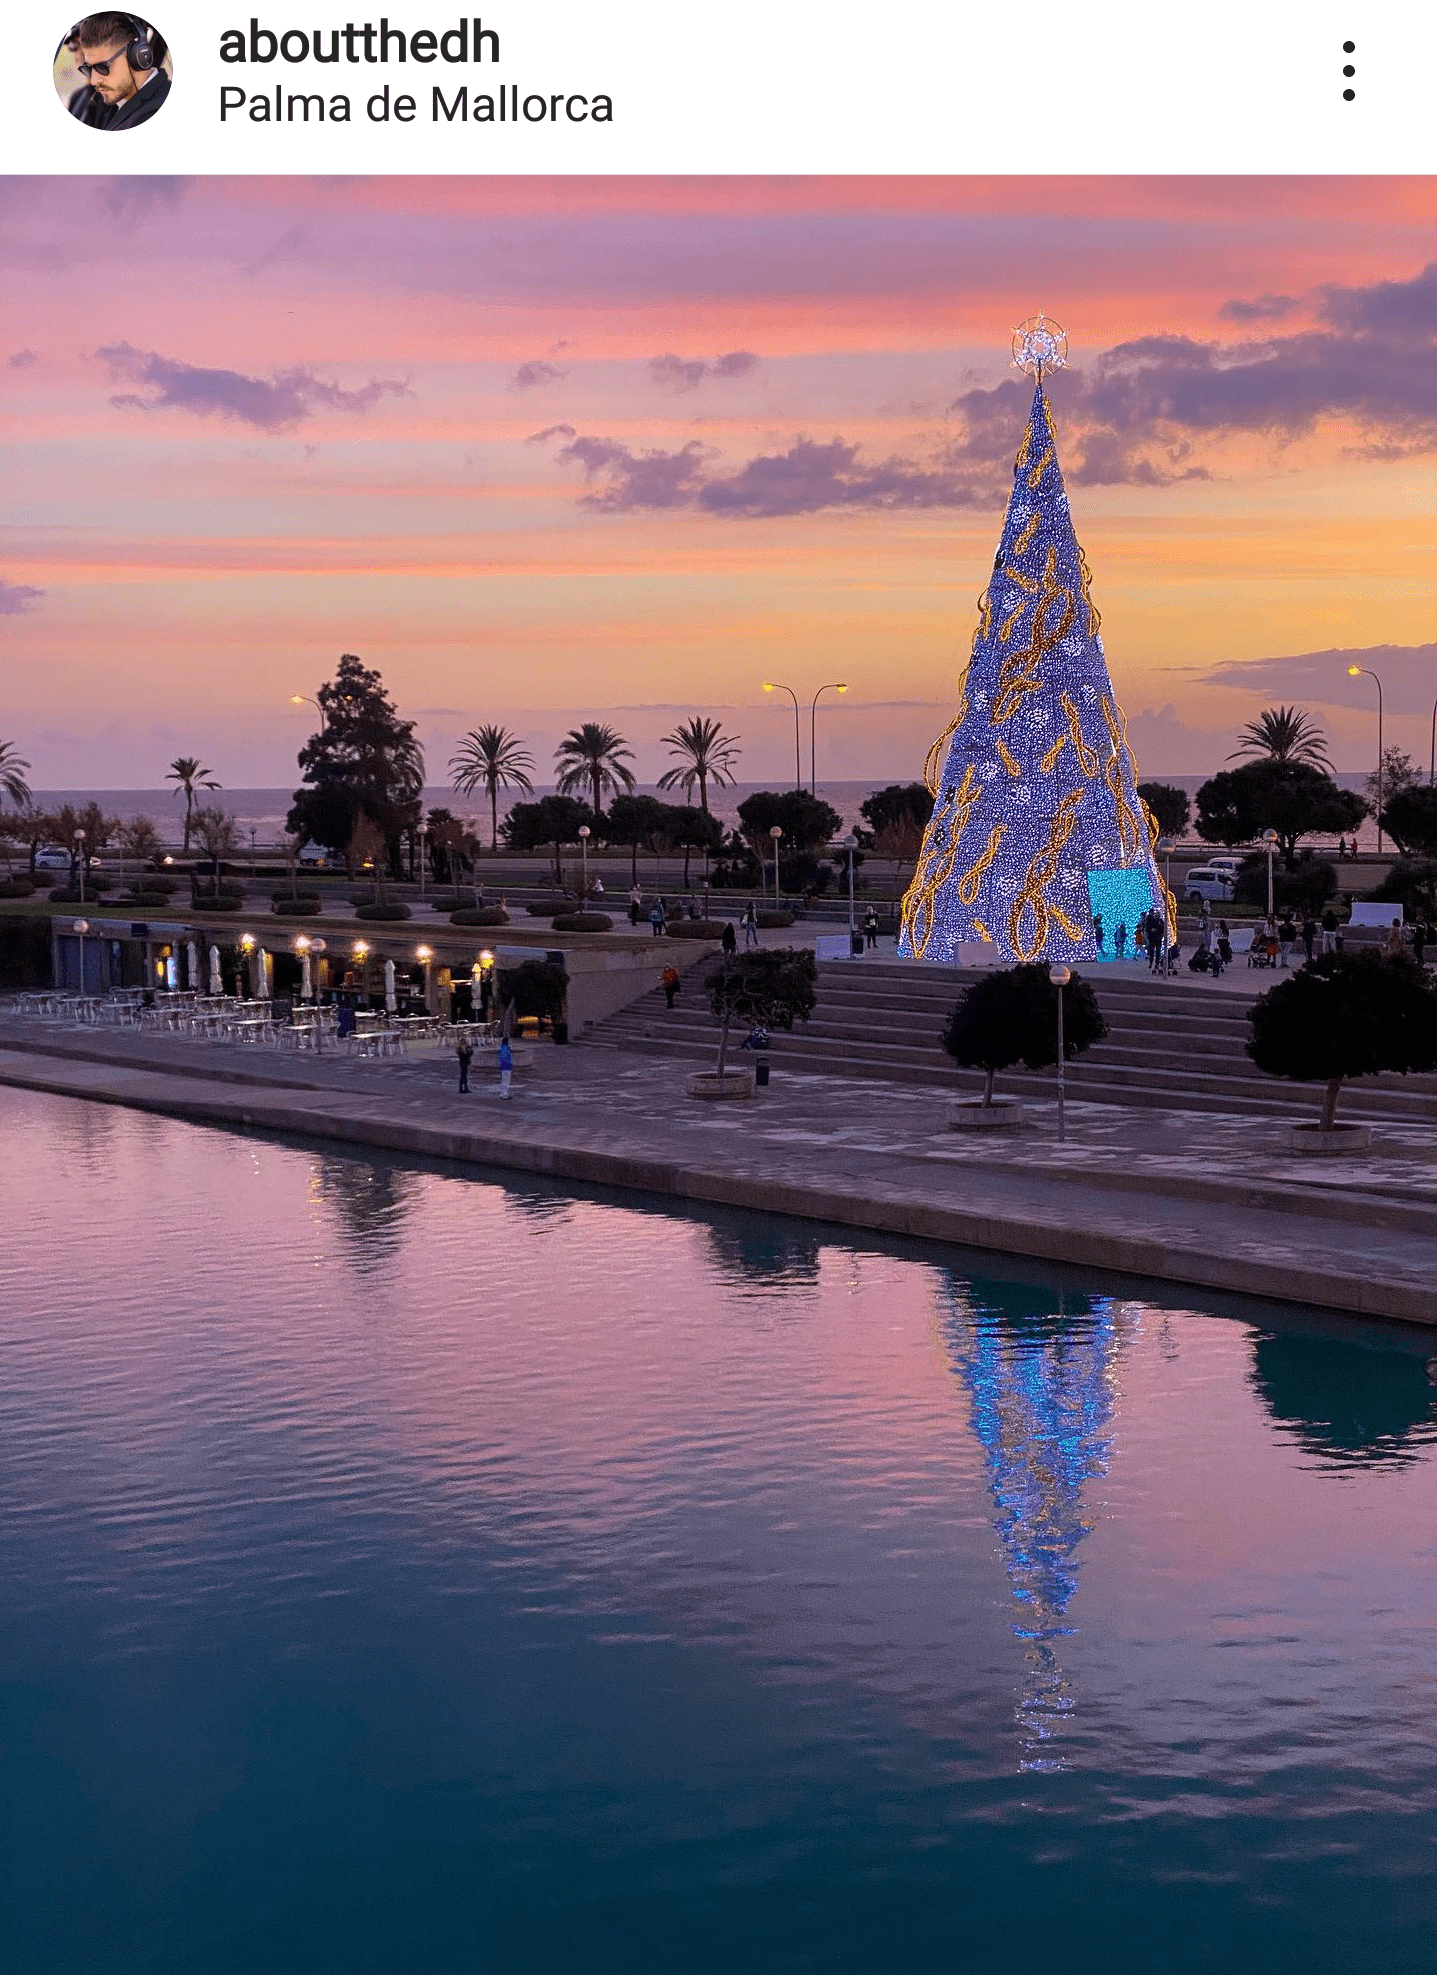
(52, 858)
(1226, 863)
(1206, 881)
(313, 857)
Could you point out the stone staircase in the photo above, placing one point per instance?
(1173, 1045)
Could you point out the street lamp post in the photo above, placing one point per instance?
(1269, 838)
(316, 947)
(80, 861)
(836, 687)
(425, 956)
(1060, 977)
(82, 926)
(850, 844)
(770, 687)
(774, 834)
(584, 860)
(423, 857)
(1432, 760)
(1353, 672)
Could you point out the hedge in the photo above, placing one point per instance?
(306, 906)
(384, 913)
(582, 922)
(220, 904)
(479, 915)
(709, 929)
(70, 895)
(16, 888)
(773, 922)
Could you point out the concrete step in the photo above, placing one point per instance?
(1133, 1069)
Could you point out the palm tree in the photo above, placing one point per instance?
(186, 770)
(591, 759)
(12, 775)
(493, 756)
(708, 755)
(1284, 733)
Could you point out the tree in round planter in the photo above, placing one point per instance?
(701, 929)
(773, 922)
(295, 905)
(1011, 1016)
(1345, 1015)
(769, 989)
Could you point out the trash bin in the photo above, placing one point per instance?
(760, 1073)
(856, 942)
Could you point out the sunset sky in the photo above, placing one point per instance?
(547, 450)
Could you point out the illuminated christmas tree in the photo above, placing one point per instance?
(1038, 831)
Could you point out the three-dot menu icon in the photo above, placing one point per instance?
(1349, 94)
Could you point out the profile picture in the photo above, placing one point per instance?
(113, 71)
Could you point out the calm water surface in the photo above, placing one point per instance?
(405, 1571)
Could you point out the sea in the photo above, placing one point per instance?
(260, 813)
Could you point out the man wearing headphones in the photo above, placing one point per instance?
(120, 59)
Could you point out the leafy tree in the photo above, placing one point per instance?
(99, 830)
(365, 851)
(770, 989)
(552, 821)
(1304, 886)
(1411, 882)
(901, 803)
(1409, 816)
(1284, 733)
(901, 839)
(138, 838)
(1170, 806)
(707, 754)
(636, 822)
(691, 830)
(1399, 772)
(1290, 797)
(187, 771)
(32, 828)
(1011, 1016)
(807, 822)
(491, 758)
(364, 760)
(12, 775)
(1346, 1015)
(219, 835)
(592, 757)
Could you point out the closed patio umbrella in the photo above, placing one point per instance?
(306, 982)
(172, 973)
(194, 980)
(217, 984)
(391, 999)
(261, 967)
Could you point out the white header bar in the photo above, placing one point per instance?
(789, 86)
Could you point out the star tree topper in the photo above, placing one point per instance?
(1039, 345)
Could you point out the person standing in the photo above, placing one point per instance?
(1120, 940)
(669, 981)
(870, 930)
(729, 941)
(1329, 931)
(1309, 936)
(464, 1050)
(506, 1066)
(1098, 932)
(1392, 946)
(1421, 933)
(659, 919)
(636, 905)
(750, 928)
(1157, 935)
(1286, 934)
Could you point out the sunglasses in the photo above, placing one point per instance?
(99, 68)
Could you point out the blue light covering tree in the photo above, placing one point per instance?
(1037, 822)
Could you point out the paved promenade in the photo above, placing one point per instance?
(1182, 1197)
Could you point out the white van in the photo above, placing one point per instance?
(1206, 881)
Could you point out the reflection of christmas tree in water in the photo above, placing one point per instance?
(1043, 1385)
(1037, 823)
